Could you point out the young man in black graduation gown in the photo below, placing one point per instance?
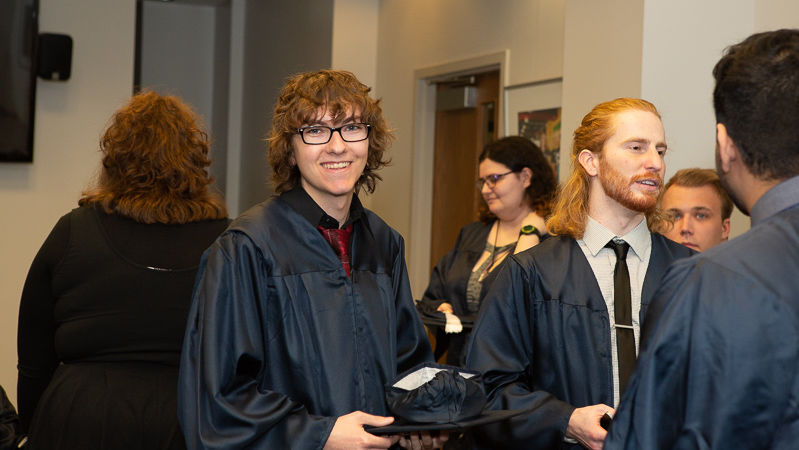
(302, 310)
(547, 338)
(719, 369)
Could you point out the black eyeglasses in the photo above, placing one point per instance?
(320, 134)
(491, 180)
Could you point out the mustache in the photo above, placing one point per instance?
(648, 176)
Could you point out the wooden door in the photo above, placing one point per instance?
(460, 136)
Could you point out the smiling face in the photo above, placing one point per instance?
(329, 172)
(696, 212)
(506, 199)
(631, 165)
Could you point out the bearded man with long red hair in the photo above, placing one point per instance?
(558, 333)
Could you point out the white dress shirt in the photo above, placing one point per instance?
(603, 263)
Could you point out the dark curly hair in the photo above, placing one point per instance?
(155, 164)
(756, 97)
(517, 152)
(307, 96)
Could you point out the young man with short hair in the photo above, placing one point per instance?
(698, 208)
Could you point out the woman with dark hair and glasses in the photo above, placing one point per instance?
(105, 304)
(518, 185)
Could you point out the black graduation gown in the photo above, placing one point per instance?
(721, 366)
(450, 276)
(280, 342)
(9, 423)
(450, 279)
(542, 340)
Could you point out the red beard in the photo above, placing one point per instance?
(618, 188)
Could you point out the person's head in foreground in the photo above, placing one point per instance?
(756, 99)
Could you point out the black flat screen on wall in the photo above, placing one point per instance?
(18, 31)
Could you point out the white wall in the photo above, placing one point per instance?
(177, 54)
(69, 119)
(775, 14)
(418, 34)
(663, 51)
(354, 45)
(682, 41)
(602, 61)
(185, 52)
(282, 38)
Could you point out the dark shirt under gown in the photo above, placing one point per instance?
(280, 341)
(101, 325)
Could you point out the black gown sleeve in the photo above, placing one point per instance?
(502, 349)
(437, 291)
(413, 347)
(37, 358)
(702, 381)
(9, 423)
(220, 402)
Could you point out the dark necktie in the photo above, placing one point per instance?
(339, 240)
(622, 305)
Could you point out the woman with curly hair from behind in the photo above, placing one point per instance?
(105, 303)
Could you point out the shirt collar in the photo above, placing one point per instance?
(781, 196)
(597, 235)
(303, 204)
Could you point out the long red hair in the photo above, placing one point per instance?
(570, 212)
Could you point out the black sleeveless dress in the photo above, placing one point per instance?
(102, 319)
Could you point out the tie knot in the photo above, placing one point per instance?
(620, 247)
(339, 240)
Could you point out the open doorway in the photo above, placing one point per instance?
(420, 245)
(466, 116)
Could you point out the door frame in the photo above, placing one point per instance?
(424, 148)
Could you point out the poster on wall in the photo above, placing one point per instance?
(543, 128)
(533, 110)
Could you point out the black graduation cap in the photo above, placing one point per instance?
(434, 396)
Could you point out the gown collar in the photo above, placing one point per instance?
(304, 205)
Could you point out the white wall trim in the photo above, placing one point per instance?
(423, 152)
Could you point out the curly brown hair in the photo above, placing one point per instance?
(305, 98)
(155, 164)
(516, 153)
